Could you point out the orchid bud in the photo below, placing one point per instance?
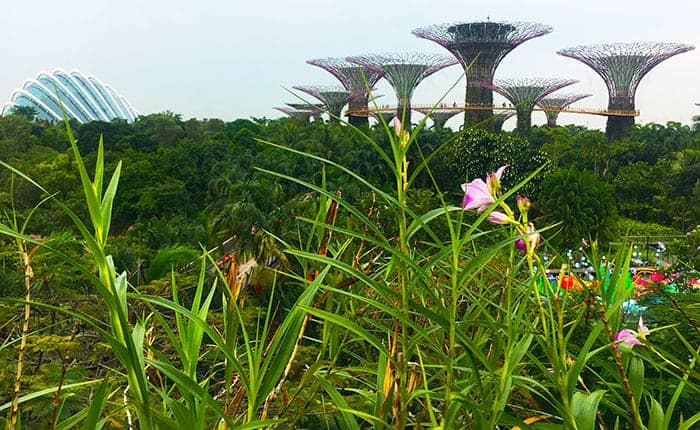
(523, 204)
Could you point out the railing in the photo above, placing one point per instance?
(455, 108)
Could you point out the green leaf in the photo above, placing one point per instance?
(584, 407)
(635, 373)
(339, 400)
(656, 415)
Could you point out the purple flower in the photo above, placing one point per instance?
(479, 194)
(631, 337)
(627, 336)
(476, 196)
(499, 218)
(531, 239)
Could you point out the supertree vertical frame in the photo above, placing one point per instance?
(334, 98)
(300, 114)
(404, 71)
(499, 118)
(525, 93)
(622, 66)
(438, 115)
(553, 105)
(358, 80)
(480, 46)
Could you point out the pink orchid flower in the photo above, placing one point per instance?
(631, 337)
(480, 195)
(530, 241)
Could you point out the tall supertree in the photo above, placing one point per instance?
(439, 115)
(499, 118)
(358, 80)
(525, 93)
(622, 66)
(301, 115)
(334, 98)
(480, 46)
(553, 105)
(404, 71)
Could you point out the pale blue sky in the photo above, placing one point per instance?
(233, 59)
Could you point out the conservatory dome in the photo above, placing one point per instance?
(84, 98)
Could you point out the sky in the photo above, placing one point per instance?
(239, 59)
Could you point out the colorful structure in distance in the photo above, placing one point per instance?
(553, 105)
(499, 118)
(480, 47)
(84, 98)
(622, 66)
(524, 94)
(404, 71)
(300, 114)
(358, 80)
(333, 98)
(439, 115)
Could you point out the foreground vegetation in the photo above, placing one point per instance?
(377, 300)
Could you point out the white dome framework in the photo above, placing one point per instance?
(84, 98)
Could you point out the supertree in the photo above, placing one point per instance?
(499, 118)
(480, 46)
(438, 115)
(301, 115)
(524, 94)
(622, 66)
(387, 115)
(358, 80)
(334, 98)
(552, 106)
(404, 71)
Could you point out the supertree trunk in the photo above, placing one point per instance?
(618, 127)
(477, 95)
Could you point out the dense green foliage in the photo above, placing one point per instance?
(422, 316)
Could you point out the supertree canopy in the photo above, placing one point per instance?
(499, 118)
(404, 71)
(438, 115)
(334, 98)
(553, 105)
(316, 108)
(358, 80)
(622, 66)
(525, 93)
(387, 115)
(480, 47)
(299, 114)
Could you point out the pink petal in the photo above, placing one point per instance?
(498, 218)
(477, 195)
(627, 336)
(500, 171)
(520, 244)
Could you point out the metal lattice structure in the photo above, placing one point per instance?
(622, 66)
(333, 98)
(438, 115)
(315, 108)
(81, 97)
(525, 93)
(302, 115)
(554, 105)
(358, 80)
(387, 115)
(480, 46)
(404, 71)
(499, 118)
